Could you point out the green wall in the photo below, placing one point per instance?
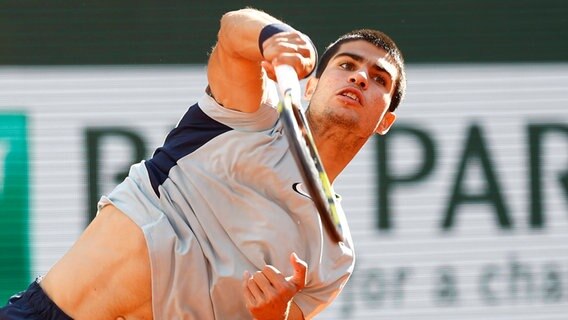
(152, 32)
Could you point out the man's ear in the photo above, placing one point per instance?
(310, 88)
(386, 123)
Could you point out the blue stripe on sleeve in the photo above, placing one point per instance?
(193, 131)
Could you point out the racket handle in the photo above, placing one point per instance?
(287, 79)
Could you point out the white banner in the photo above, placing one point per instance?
(459, 213)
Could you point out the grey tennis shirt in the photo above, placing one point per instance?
(220, 197)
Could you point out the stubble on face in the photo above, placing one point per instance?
(333, 126)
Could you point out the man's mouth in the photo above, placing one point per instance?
(352, 94)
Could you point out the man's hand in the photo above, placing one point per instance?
(268, 294)
(291, 48)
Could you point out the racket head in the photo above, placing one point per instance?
(304, 151)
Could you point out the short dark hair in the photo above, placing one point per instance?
(380, 40)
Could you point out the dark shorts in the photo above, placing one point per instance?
(32, 304)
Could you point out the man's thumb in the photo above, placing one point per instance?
(298, 279)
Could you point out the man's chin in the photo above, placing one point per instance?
(343, 117)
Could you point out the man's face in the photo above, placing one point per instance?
(355, 89)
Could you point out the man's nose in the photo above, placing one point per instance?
(360, 78)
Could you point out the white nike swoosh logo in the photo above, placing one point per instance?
(297, 187)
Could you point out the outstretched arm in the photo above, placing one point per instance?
(237, 67)
(269, 295)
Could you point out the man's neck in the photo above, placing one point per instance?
(336, 150)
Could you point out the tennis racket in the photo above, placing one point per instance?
(304, 151)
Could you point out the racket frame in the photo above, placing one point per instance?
(304, 151)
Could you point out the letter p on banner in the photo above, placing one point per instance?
(388, 180)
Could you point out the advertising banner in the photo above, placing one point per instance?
(459, 212)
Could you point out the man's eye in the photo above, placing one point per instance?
(380, 80)
(346, 66)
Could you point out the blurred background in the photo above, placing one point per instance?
(460, 212)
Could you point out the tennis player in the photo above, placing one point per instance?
(216, 224)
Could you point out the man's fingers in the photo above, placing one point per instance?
(301, 64)
(262, 282)
(269, 283)
(269, 68)
(291, 48)
(249, 297)
(250, 284)
(250, 300)
(274, 276)
(287, 42)
(300, 270)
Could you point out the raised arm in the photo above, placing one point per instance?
(237, 68)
